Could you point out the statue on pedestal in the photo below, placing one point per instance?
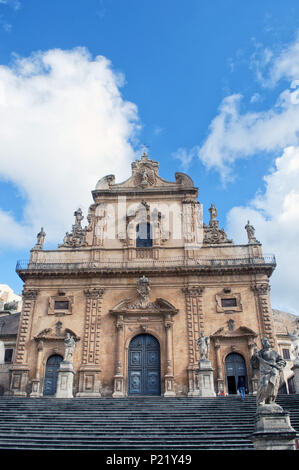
(270, 364)
(295, 344)
(203, 344)
(40, 239)
(69, 347)
(250, 233)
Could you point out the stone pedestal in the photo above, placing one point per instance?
(36, 392)
(205, 379)
(89, 382)
(169, 386)
(19, 380)
(65, 380)
(273, 430)
(118, 386)
(295, 369)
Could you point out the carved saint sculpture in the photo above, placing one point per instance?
(40, 239)
(203, 344)
(269, 364)
(295, 343)
(250, 233)
(69, 347)
(213, 215)
(143, 290)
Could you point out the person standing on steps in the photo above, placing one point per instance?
(241, 387)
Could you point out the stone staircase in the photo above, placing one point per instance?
(145, 423)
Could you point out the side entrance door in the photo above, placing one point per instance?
(144, 366)
(235, 368)
(50, 382)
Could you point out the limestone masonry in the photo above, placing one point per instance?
(135, 288)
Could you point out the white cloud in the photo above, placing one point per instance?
(15, 4)
(64, 124)
(275, 216)
(185, 157)
(235, 134)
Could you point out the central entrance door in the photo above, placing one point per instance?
(144, 366)
(50, 382)
(235, 368)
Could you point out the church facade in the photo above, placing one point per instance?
(135, 288)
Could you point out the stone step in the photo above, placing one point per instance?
(126, 424)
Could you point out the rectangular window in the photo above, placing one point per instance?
(8, 355)
(286, 354)
(61, 305)
(229, 302)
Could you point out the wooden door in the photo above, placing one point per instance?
(144, 366)
(50, 382)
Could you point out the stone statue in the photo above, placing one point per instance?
(295, 343)
(69, 347)
(40, 239)
(203, 344)
(213, 215)
(250, 233)
(78, 217)
(143, 290)
(269, 364)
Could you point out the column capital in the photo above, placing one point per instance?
(30, 294)
(193, 291)
(94, 293)
(261, 289)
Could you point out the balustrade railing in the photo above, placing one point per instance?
(139, 263)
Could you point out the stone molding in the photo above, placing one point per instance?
(262, 293)
(195, 324)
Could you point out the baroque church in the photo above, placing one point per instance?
(135, 288)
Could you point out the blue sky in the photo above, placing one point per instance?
(208, 86)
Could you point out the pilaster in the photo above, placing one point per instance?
(89, 372)
(262, 293)
(195, 324)
(20, 369)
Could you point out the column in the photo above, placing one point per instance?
(119, 391)
(253, 376)
(89, 372)
(36, 390)
(195, 323)
(262, 292)
(169, 376)
(220, 381)
(19, 372)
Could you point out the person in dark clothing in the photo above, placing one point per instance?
(241, 387)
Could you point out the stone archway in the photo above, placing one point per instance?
(235, 367)
(139, 316)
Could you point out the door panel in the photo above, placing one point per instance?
(144, 366)
(50, 381)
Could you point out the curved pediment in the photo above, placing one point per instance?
(132, 305)
(233, 333)
(144, 177)
(57, 334)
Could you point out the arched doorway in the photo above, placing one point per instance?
(144, 377)
(235, 368)
(50, 382)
